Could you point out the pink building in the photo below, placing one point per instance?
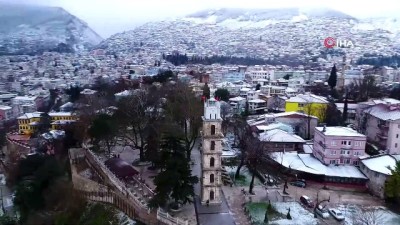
(338, 145)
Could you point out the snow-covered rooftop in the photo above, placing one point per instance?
(380, 164)
(237, 99)
(307, 98)
(340, 131)
(257, 101)
(277, 135)
(383, 112)
(307, 163)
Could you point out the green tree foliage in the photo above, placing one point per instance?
(222, 94)
(206, 91)
(103, 129)
(99, 214)
(379, 60)
(395, 92)
(332, 115)
(287, 76)
(345, 109)
(74, 93)
(44, 123)
(36, 173)
(392, 186)
(333, 78)
(175, 179)
(3, 140)
(7, 220)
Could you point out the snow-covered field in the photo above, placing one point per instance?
(245, 176)
(371, 215)
(300, 216)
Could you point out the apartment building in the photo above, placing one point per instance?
(381, 124)
(338, 145)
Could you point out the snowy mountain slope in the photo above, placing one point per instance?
(289, 34)
(26, 29)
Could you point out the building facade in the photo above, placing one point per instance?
(338, 145)
(212, 136)
(309, 104)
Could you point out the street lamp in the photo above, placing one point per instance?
(319, 202)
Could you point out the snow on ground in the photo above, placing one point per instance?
(300, 216)
(245, 176)
(382, 215)
(125, 220)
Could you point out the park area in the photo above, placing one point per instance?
(278, 213)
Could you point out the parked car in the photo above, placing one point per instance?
(305, 200)
(337, 214)
(322, 212)
(298, 184)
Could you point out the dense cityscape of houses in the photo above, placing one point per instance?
(285, 115)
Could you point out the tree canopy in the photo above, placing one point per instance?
(392, 187)
(333, 77)
(222, 94)
(175, 179)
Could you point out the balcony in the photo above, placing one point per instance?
(382, 136)
(346, 147)
(383, 125)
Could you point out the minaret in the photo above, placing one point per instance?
(211, 154)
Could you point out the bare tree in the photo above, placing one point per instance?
(183, 108)
(225, 111)
(135, 113)
(368, 217)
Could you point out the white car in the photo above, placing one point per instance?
(337, 214)
(322, 212)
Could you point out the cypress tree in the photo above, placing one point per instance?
(345, 109)
(333, 77)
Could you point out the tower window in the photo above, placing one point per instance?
(212, 195)
(212, 162)
(212, 129)
(212, 178)
(212, 146)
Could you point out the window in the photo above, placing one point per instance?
(332, 162)
(395, 145)
(333, 152)
(355, 162)
(212, 178)
(333, 143)
(342, 152)
(357, 143)
(376, 174)
(397, 135)
(212, 129)
(301, 105)
(212, 147)
(348, 152)
(212, 162)
(211, 195)
(347, 161)
(356, 153)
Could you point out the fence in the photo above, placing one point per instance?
(122, 204)
(125, 197)
(170, 220)
(94, 161)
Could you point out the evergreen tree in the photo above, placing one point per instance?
(345, 109)
(206, 91)
(392, 186)
(222, 94)
(175, 179)
(333, 78)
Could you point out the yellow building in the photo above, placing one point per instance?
(309, 104)
(27, 123)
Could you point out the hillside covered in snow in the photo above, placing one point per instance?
(26, 29)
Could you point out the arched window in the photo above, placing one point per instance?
(212, 129)
(211, 195)
(212, 146)
(212, 178)
(212, 162)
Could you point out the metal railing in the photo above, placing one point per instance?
(117, 182)
(170, 220)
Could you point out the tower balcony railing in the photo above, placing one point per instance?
(209, 135)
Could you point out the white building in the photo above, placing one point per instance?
(377, 171)
(211, 154)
